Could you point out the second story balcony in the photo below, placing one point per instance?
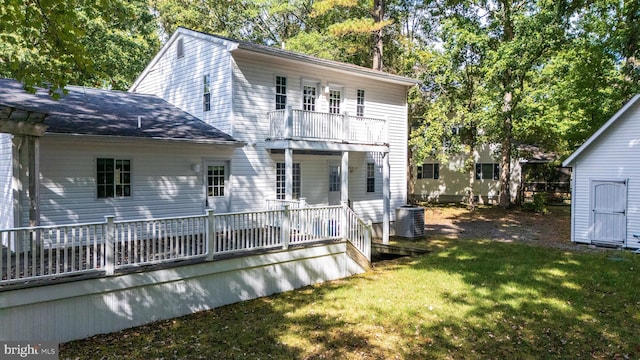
(293, 124)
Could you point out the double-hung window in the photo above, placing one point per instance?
(335, 98)
(428, 171)
(360, 103)
(309, 98)
(371, 177)
(281, 92)
(113, 178)
(487, 171)
(281, 180)
(206, 91)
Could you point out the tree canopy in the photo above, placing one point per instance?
(505, 72)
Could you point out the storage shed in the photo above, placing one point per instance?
(605, 206)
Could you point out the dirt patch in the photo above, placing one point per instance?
(553, 229)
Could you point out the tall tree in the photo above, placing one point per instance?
(58, 42)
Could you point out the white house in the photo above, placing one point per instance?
(605, 206)
(100, 152)
(318, 130)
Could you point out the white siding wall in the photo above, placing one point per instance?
(614, 155)
(254, 94)
(6, 175)
(163, 183)
(180, 80)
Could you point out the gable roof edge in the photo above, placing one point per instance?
(601, 130)
(228, 43)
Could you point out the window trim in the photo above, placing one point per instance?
(278, 104)
(341, 99)
(281, 179)
(495, 171)
(314, 86)
(435, 171)
(180, 48)
(360, 102)
(371, 177)
(206, 93)
(114, 181)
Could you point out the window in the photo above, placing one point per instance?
(487, 171)
(334, 101)
(180, 49)
(113, 178)
(206, 90)
(281, 181)
(360, 103)
(334, 178)
(371, 177)
(215, 180)
(281, 92)
(428, 171)
(308, 98)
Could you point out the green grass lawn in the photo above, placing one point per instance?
(467, 300)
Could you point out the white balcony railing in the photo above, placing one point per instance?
(310, 125)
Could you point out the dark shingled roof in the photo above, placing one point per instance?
(89, 111)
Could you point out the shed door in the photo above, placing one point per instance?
(609, 208)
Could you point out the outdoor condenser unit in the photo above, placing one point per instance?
(410, 221)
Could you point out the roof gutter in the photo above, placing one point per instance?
(122, 139)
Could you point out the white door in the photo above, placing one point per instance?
(217, 186)
(335, 183)
(609, 212)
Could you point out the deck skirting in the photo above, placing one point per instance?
(75, 310)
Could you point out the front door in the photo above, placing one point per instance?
(217, 186)
(609, 212)
(335, 183)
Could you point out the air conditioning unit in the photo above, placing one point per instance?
(410, 221)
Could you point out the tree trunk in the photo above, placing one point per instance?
(507, 112)
(378, 16)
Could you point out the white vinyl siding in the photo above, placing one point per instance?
(179, 80)
(243, 93)
(614, 154)
(163, 181)
(253, 75)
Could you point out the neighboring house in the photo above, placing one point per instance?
(98, 153)
(605, 198)
(318, 130)
(449, 182)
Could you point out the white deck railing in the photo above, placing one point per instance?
(310, 125)
(65, 250)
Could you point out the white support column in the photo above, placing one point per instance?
(386, 196)
(344, 178)
(34, 180)
(288, 174)
(17, 187)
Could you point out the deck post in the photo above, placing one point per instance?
(368, 238)
(109, 251)
(285, 232)
(386, 195)
(343, 220)
(344, 177)
(211, 235)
